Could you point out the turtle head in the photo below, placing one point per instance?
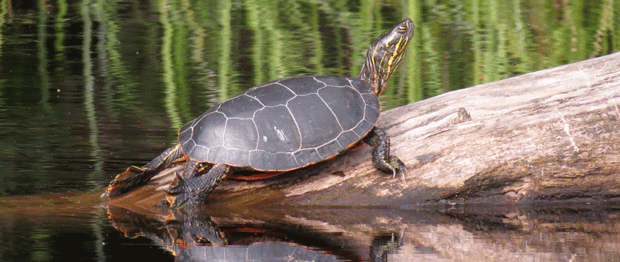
(385, 55)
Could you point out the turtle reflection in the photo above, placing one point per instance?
(385, 244)
(194, 236)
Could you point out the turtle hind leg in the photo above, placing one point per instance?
(381, 157)
(195, 188)
(136, 176)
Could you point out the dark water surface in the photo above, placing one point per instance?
(91, 87)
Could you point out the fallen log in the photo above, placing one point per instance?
(547, 135)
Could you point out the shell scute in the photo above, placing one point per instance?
(285, 124)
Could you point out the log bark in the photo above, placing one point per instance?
(548, 135)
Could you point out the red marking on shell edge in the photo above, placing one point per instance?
(360, 145)
(259, 176)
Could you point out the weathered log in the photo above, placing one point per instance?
(548, 135)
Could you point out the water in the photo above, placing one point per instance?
(77, 229)
(89, 88)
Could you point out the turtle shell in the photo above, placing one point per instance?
(285, 124)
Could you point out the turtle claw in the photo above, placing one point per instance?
(105, 196)
(178, 201)
(179, 192)
(398, 166)
(177, 185)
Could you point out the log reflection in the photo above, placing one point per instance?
(547, 231)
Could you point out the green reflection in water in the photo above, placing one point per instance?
(89, 96)
(4, 4)
(167, 64)
(520, 47)
(197, 37)
(42, 56)
(197, 53)
(225, 42)
(316, 47)
(432, 73)
(59, 28)
(258, 47)
(415, 92)
(42, 250)
(605, 25)
(180, 56)
(91, 112)
(121, 82)
(277, 69)
(4, 7)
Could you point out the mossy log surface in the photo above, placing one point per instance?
(548, 135)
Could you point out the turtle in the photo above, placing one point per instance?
(281, 126)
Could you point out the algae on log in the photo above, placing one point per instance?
(548, 135)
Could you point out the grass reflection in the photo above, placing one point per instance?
(4, 6)
(246, 43)
(168, 68)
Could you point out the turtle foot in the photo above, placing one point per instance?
(132, 178)
(105, 196)
(397, 166)
(179, 192)
(190, 227)
(200, 234)
(381, 157)
(195, 190)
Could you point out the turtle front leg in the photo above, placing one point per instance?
(136, 176)
(195, 188)
(380, 143)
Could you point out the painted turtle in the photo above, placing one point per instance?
(281, 126)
